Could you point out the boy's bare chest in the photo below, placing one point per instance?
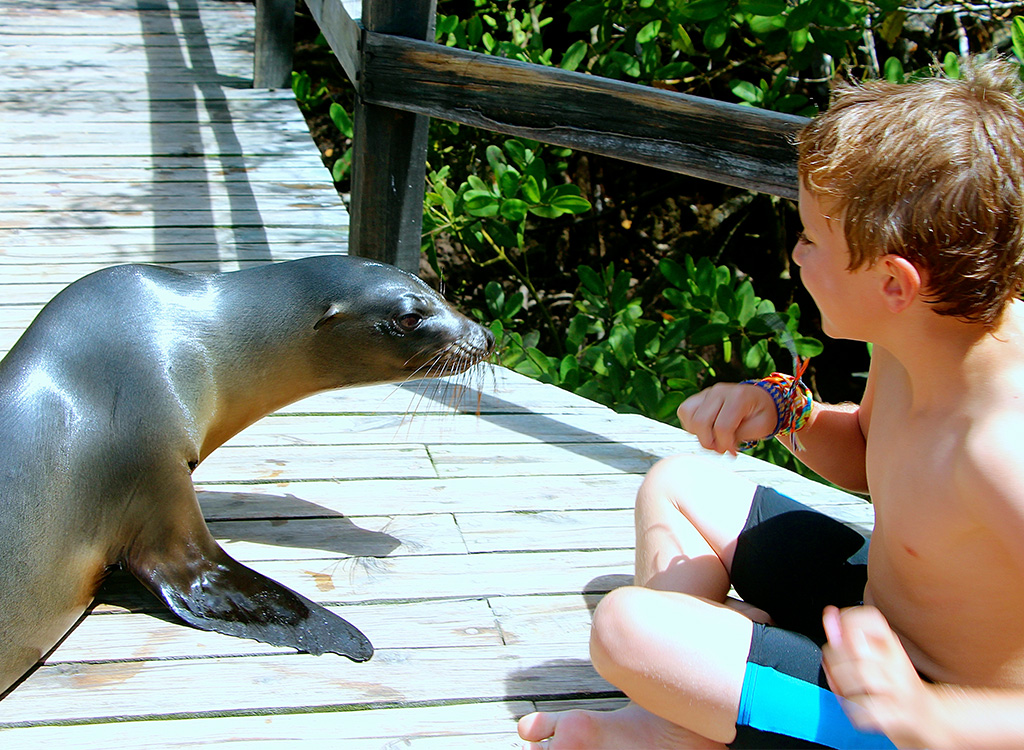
(911, 458)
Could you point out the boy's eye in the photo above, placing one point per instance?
(802, 239)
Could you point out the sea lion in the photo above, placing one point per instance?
(130, 377)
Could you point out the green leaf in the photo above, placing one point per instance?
(514, 209)
(1017, 34)
(666, 410)
(577, 332)
(806, 346)
(591, 280)
(704, 10)
(342, 166)
(798, 39)
(474, 31)
(530, 189)
(503, 235)
(573, 204)
(574, 55)
(951, 65)
(754, 358)
(480, 203)
(569, 372)
(546, 212)
(681, 41)
(746, 91)
(496, 160)
(717, 32)
(892, 26)
(301, 86)
(649, 32)
(673, 272)
(621, 341)
(512, 306)
(762, 7)
(508, 183)
(894, 70)
(802, 15)
(341, 119)
(585, 15)
(709, 333)
(646, 391)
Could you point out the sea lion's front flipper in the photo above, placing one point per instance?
(179, 561)
(230, 598)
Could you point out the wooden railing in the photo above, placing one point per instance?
(402, 78)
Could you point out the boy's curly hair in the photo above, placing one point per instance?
(932, 171)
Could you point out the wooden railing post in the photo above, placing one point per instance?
(389, 154)
(275, 35)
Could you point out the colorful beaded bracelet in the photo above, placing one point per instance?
(793, 401)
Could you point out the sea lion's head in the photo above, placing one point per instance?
(389, 325)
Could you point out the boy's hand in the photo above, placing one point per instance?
(866, 664)
(728, 414)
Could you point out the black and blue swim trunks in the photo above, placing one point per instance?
(792, 561)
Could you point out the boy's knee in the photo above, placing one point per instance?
(625, 628)
(682, 477)
(613, 630)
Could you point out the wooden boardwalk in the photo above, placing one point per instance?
(470, 544)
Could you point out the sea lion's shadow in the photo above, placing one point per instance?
(242, 517)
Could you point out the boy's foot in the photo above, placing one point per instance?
(629, 727)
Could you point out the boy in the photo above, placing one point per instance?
(912, 200)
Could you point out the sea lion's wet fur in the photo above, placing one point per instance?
(129, 378)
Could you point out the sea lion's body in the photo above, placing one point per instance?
(132, 376)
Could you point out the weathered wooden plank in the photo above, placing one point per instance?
(132, 134)
(170, 141)
(365, 497)
(564, 530)
(56, 242)
(299, 681)
(319, 538)
(416, 577)
(316, 462)
(551, 619)
(462, 725)
(211, 214)
(234, 105)
(136, 195)
(592, 426)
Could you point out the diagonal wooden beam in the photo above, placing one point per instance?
(719, 141)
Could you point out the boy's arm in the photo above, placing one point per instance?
(867, 666)
(728, 414)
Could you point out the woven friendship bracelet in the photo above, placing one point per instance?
(792, 401)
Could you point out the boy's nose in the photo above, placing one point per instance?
(798, 253)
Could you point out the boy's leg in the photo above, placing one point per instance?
(689, 512)
(677, 653)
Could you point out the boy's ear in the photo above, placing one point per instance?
(902, 282)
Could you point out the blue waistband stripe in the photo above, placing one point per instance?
(772, 701)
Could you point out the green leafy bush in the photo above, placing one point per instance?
(708, 322)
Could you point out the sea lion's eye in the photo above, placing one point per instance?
(409, 321)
